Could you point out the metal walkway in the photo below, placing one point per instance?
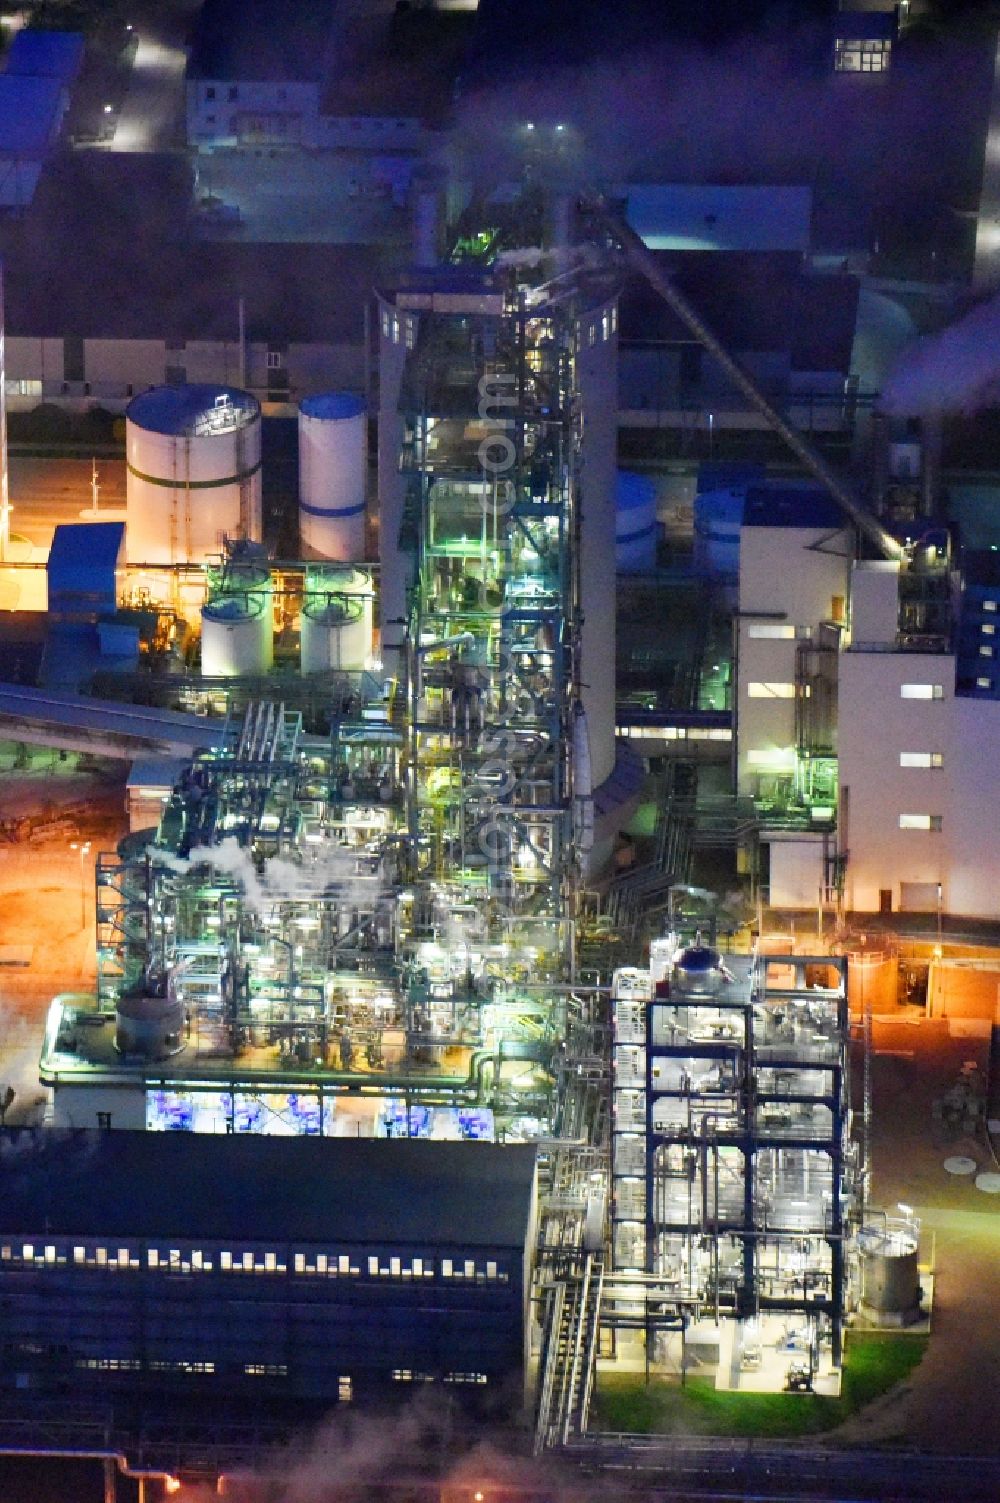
(102, 727)
(569, 1354)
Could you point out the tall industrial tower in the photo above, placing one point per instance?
(496, 485)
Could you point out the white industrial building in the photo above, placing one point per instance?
(795, 555)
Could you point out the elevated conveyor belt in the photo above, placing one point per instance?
(104, 728)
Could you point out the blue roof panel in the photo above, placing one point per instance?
(29, 110)
(794, 506)
(46, 54)
(84, 545)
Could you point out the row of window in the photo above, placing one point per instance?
(675, 733)
(396, 328)
(773, 690)
(329, 1265)
(920, 822)
(604, 327)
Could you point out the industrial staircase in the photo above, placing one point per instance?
(569, 1353)
(644, 891)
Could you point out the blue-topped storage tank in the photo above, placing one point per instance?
(636, 527)
(333, 464)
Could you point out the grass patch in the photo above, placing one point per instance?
(874, 1362)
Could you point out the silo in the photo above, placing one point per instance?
(336, 620)
(333, 462)
(889, 1270)
(636, 526)
(237, 626)
(149, 1023)
(193, 472)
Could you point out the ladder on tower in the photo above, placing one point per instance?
(569, 1354)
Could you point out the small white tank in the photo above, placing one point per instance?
(336, 620)
(193, 476)
(237, 630)
(636, 526)
(333, 467)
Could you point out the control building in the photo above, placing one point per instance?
(238, 1265)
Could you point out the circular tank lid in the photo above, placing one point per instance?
(989, 1183)
(332, 405)
(192, 411)
(233, 608)
(960, 1163)
(338, 611)
(142, 1007)
(698, 958)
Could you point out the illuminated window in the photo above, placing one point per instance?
(344, 1263)
(770, 691)
(920, 821)
(386, 326)
(418, 1267)
(247, 1262)
(270, 1262)
(470, 1269)
(80, 1255)
(373, 1265)
(345, 1390)
(984, 683)
(322, 1263)
(491, 1270)
(395, 1267)
(592, 334)
(921, 691)
(771, 631)
(299, 1264)
(614, 318)
(921, 759)
(988, 629)
(446, 1267)
(776, 759)
(990, 605)
(226, 1261)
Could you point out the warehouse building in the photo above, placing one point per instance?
(308, 1269)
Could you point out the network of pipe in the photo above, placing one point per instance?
(387, 912)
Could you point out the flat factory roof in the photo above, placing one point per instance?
(245, 1187)
(46, 54)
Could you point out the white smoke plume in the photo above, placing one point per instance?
(19, 1045)
(957, 370)
(325, 868)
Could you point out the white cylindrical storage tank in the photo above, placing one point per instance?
(333, 465)
(237, 635)
(192, 472)
(636, 526)
(336, 620)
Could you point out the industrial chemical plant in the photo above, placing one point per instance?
(359, 906)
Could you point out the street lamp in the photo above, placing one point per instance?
(83, 850)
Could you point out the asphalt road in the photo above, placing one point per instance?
(45, 492)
